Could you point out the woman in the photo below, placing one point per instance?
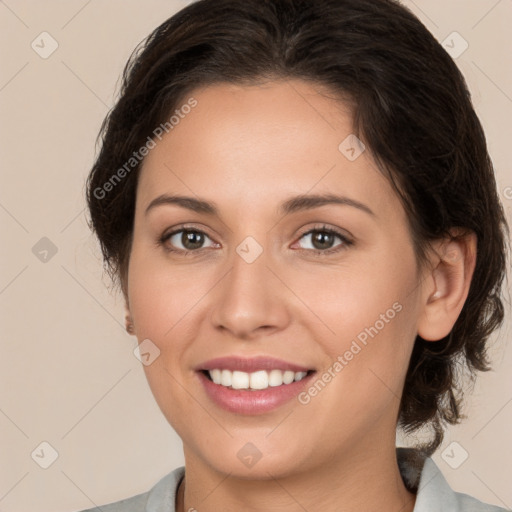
(296, 200)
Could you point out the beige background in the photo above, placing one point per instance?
(68, 373)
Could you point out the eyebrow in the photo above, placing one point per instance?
(294, 204)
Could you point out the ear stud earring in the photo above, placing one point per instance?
(129, 325)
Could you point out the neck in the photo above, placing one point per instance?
(369, 482)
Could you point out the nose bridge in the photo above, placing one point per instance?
(248, 296)
(249, 265)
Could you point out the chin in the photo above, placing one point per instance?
(255, 460)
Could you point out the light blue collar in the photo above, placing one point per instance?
(420, 474)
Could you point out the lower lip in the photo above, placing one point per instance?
(246, 401)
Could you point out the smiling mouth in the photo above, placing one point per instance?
(254, 381)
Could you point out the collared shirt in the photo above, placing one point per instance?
(419, 473)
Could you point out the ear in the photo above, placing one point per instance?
(446, 284)
(128, 318)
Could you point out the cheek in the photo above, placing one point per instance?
(371, 315)
(356, 301)
(162, 302)
(365, 374)
(162, 296)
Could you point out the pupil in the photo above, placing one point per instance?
(322, 238)
(188, 239)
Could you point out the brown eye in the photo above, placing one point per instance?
(189, 239)
(323, 240)
(192, 239)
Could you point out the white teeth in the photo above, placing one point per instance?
(216, 376)
(288, 377)
(239, 380)
(259, 380)
(300, 375)
(256, 380)
(275, 378)
(225, 378)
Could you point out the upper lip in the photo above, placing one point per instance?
(248, 365)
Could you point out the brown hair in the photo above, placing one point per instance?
(412, 109)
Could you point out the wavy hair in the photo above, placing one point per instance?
(411, 107)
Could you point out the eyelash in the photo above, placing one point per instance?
(323, 229)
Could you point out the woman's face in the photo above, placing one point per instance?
(268, 278)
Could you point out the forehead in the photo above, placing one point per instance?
(259, 143)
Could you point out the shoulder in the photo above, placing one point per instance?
(422, 476)
(161, 496)
(134, 504)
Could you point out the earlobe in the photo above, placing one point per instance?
(447, 285)
(128, 320)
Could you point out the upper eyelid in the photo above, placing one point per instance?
(168, 235)
(346, 240)
(328, 229)
(339, 232)
(179, 229)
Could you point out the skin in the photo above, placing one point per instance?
(248, 149)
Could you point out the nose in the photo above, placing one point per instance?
(250, 300)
